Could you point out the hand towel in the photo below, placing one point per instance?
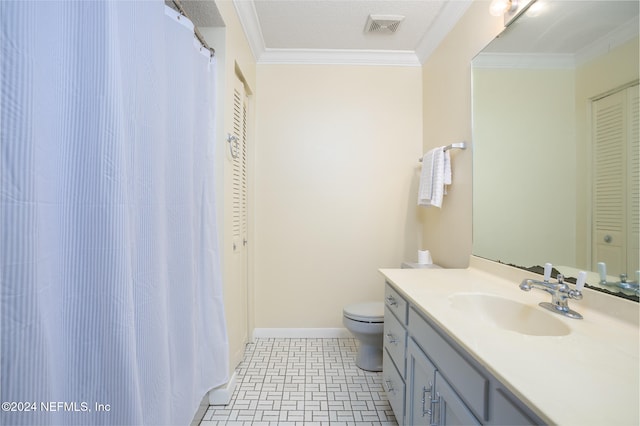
(435, 174)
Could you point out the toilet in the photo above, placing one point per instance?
(366, 322)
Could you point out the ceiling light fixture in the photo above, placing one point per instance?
(500, 7)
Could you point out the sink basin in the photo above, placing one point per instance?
(509, 315)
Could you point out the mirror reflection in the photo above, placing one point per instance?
(555, 133)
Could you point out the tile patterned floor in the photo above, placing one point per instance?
(303, 382)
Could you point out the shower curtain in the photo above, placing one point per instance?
(110, 301)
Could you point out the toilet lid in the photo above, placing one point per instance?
(366, 312)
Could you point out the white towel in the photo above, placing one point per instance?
(435, 174)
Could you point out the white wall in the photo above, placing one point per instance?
(336, 154)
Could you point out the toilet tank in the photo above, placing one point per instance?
(411, 265)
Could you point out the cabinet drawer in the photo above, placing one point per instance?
(395, 303)
(395, 340)
(394, 386)
(468, 382)
(506, 410)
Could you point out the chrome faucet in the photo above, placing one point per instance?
(633, 286)
(560, 292)
(629, 285)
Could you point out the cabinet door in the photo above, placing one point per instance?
(449, 408)
(470, 383)
(421, 375)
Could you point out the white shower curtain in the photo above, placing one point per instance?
(110, 302)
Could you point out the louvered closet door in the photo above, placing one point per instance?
(615, 182)
(239, 167)
(238, 317)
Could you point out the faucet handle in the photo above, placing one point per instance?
(577, 293)
(582, 278)
(602, 270)
(547, 272)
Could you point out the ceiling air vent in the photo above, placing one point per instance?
(383, 24)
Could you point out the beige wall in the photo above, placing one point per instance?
(237, 290)
(335, 176)
(232, 53)
(447, 119)
(336, 154)
(525, 145)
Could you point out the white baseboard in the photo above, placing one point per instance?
(222, 394)
(302, 333)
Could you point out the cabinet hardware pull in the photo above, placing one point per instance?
(392, 339)
(426, 391)
(391, 301)
(390, 388)
(438, 411)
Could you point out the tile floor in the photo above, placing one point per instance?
(303, 382)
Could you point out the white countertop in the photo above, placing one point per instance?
(590, 376)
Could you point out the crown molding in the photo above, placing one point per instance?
(450, 14)
(520, 60)
(615, 38)
(338, 57)
(248, 17)
(605, 44)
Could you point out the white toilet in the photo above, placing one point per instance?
(366, 322)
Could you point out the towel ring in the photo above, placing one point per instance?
(234, 145)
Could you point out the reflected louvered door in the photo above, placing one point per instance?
(615, 181)
(633, 173)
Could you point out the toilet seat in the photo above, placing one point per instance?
(371, 312)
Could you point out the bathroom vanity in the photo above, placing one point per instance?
(467, 346)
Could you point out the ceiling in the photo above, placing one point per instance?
(567, 27)
(203, 13)
(333, 31)
(564, 33)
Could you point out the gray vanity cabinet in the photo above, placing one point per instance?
(430, 398)
(471, 384)
(394, 352)
(432, 380)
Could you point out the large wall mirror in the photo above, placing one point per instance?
(555, 133)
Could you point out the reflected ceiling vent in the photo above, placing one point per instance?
(383, 24)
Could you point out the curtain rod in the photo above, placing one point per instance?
(195, 28)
